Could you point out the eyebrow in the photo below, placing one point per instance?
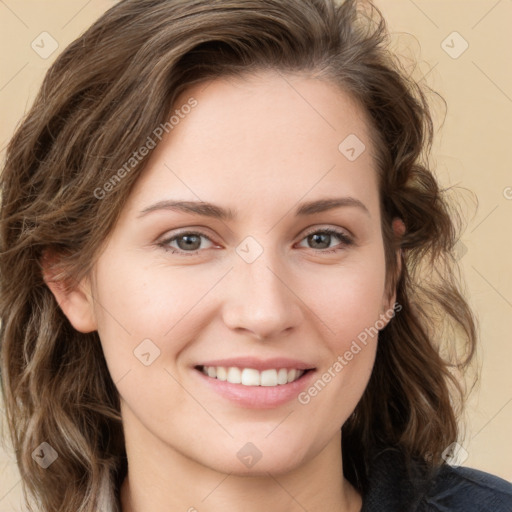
(211, 210)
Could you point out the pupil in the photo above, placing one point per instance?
(317, 236)
(189, 239)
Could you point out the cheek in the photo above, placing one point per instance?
(348, 304)
(350, 310)
(148, 303)
(139, 312)
(142, 301)
(349, 300)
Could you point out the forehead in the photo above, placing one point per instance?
(265, 138)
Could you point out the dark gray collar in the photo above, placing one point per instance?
(393, 485)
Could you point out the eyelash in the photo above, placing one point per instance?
(346, 241)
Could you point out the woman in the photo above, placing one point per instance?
(172, 336)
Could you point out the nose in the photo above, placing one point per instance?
(261, 299)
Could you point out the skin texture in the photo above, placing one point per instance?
(259, 146)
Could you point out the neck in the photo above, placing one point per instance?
(161, 479)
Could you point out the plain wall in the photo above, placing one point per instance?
(472, 149)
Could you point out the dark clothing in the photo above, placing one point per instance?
(394, 488)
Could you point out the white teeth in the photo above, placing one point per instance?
(234, 375)
(269, 378)
(252, 377)
(282, 376)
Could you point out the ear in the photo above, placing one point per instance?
(74, 298)
(398, 230)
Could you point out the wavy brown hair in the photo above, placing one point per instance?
(99, 101)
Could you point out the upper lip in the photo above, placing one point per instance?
(259, 364)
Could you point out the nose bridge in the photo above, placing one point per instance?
(261, 299)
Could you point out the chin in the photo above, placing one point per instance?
(273, 465)
(257, 458)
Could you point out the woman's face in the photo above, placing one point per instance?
(251, 286)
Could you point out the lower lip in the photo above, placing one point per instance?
(257, 397)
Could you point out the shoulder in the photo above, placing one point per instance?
(398, 484)
(463, 489)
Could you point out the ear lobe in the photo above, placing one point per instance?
(74, 298)
(398, 227)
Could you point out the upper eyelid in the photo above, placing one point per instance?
(339, 229)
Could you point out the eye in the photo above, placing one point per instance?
(188, 242)
(324, 236)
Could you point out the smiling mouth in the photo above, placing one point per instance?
(253, 377)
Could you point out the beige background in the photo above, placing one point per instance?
(473, 149)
